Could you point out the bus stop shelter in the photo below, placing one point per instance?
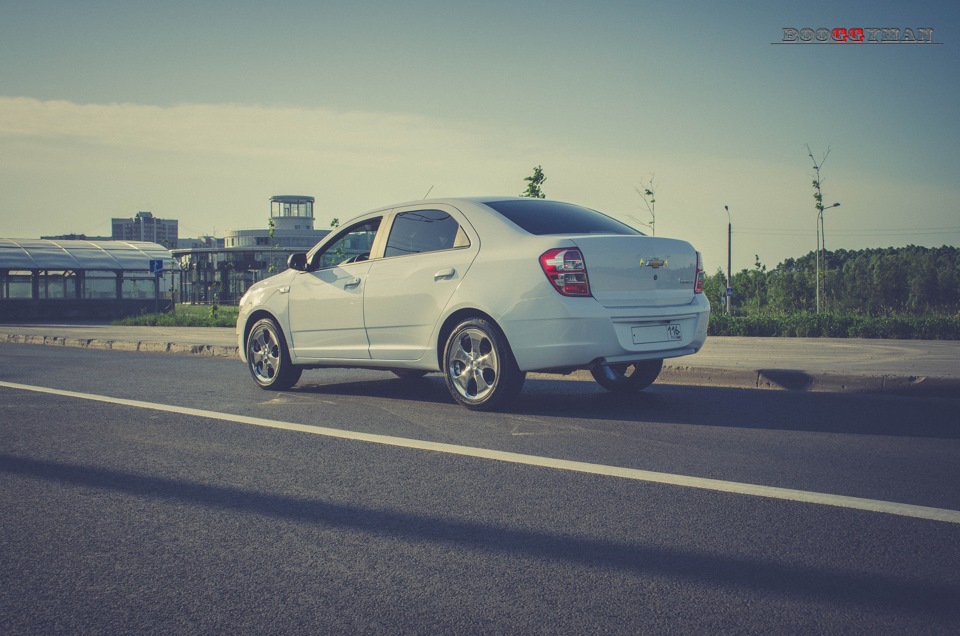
(52, 279)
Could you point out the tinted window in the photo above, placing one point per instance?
(537, 216)
(424, 231)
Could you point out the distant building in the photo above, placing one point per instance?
(146, 227)
(292, 220)
(199, 242)
(222, 272)
(291, 212)
(75, 237)
(56, 279)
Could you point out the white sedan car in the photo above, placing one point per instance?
(483, 290)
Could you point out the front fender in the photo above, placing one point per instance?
(267, 298)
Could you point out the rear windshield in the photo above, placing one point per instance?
(540, 217)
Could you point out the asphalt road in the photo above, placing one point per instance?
(185, 500)
(921, 368)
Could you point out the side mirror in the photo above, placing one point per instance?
(297, 261)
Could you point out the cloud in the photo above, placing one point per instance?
(215, 166)
(235, 130)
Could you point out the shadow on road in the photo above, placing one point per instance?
(898, 593)
(689, 405)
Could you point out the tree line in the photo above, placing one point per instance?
(871, 282)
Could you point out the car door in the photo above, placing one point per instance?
(427, 253)
(326, 302)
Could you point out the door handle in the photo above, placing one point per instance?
(351, 283)
(445, 273)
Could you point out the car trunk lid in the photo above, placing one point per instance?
(639, 271)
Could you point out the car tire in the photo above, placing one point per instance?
(632, 376)
(479, 367)
(268, 358)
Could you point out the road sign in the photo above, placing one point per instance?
(730, 292)
(156, 266)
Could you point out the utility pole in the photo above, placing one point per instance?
(817, 254)
(823, 254)
(726, 292)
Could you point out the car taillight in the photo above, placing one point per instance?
(698, 285)
(565, 268)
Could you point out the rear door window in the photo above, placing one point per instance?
(424, 231)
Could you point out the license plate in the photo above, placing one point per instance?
(657, 333)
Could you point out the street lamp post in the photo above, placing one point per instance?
(816, 255)
(726, 292)
(822, 255)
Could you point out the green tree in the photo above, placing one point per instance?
(790, 286)
(821, 239)
(759, 282)
(534, 182)
(340, 251)
(872, 282)
(647, 192)
(272, 269)
(714, 288)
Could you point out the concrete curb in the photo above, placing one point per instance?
(796, 380)
(765, 379)
(216, 351)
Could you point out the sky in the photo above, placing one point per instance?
(201, 111)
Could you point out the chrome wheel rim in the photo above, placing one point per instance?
(472, 364)
(263, 351)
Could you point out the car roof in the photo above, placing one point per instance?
(444, 200)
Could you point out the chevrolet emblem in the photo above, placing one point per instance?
(654, 262)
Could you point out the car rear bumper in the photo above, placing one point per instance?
(579, 332)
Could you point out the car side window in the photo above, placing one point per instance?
(351, 246)
(424, 231)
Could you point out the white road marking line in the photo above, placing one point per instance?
(824, 499)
